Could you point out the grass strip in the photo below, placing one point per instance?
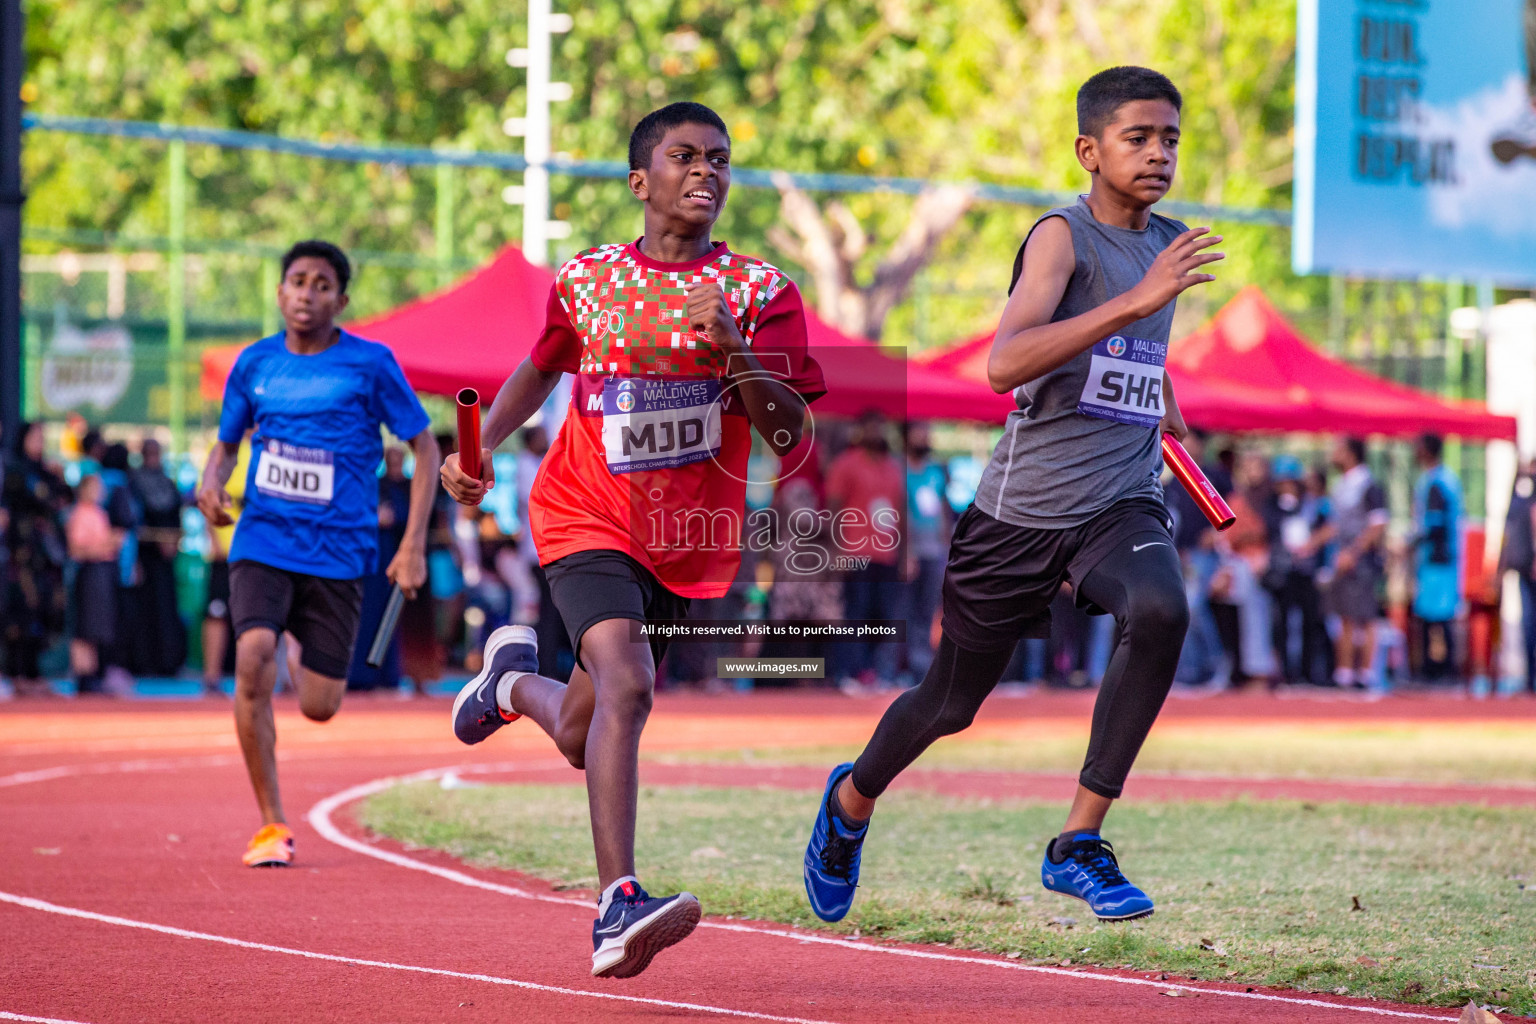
(1432, 905)
(1419, 752)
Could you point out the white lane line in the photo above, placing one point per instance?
(320, 819)
(183, 933)
(37, 1020)
(113, 767)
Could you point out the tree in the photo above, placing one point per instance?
(948, 90)
(832, 244)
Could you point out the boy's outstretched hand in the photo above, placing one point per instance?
(1174, 270)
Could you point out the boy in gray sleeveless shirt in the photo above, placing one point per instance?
(1071, 495)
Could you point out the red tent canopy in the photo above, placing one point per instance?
(1248, 369)
(476, 332)
(964, 359)
(1201, 402)
(860, 376)
(1272, 379)
(471, 334)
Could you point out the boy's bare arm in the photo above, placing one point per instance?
(774, 409)
(408, 569)
(213, 499)
(1028, 345)
(1173, 418)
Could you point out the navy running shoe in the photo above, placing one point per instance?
(1086, 869)
(475, 713)
(832, 856)
(636, 927)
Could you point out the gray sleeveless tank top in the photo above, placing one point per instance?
(1084, 436)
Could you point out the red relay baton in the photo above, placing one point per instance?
(469, 432)
(1197, 484)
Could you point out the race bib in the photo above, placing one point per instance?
(1125, 381)
(299, 474)
(658, 424)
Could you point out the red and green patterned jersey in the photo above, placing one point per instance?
(652, 460)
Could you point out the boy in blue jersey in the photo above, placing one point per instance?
(315, 397)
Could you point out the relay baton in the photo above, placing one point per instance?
(386, 630)
(1196, 483)
(469, 432)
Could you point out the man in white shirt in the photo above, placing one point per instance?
(1357, 525)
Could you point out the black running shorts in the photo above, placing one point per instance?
(218, 591)
(322, 614)
(1001, 579)
(591, 586)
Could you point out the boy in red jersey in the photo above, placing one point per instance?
(680, 348)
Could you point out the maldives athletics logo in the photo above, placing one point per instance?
(610, 321)
(625, 401)
(1116, 346)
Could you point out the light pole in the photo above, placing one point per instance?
(538, 229)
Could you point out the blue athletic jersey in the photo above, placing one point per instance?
(312, 491)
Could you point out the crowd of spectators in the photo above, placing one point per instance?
(1296, 593)
(1307, 587)
(93, 560)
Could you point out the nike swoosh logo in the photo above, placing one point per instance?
(1149, 544)
(615, 927)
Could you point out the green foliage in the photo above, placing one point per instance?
(981, 89)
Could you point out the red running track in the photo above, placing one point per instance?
(122, 899)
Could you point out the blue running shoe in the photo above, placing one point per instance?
(1087, 870)
(832, 857)
(636, 927)
(475, 714)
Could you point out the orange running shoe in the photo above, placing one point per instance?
(271, 847)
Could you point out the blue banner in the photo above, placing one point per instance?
(1416, 138)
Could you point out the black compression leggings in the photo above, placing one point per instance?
(1147, 603)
